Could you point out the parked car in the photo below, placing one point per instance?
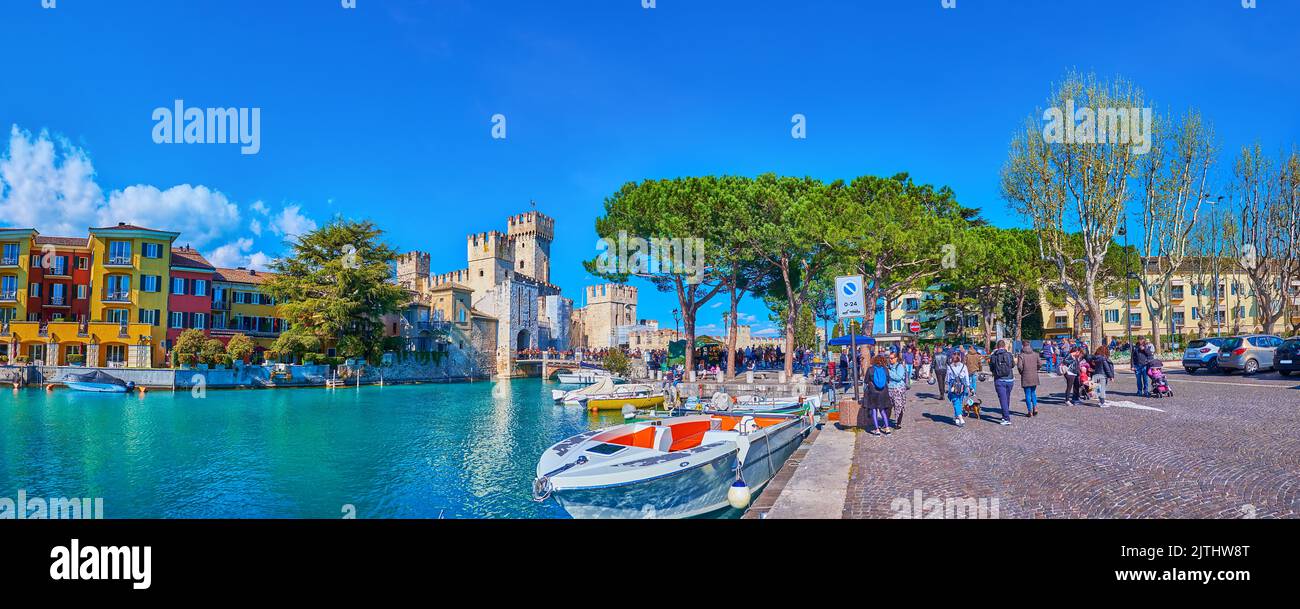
(1249, 353)
(1287, 358)
(1202, 353)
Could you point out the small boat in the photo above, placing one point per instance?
(751, 404)
(604, 388)
(675, 467)
(614, 402)
(587, 377)
(97, 382)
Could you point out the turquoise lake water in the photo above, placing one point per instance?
(416, 451)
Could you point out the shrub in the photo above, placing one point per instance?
(76, 359)
(239, 347)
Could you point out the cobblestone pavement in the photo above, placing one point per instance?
(1223, 447)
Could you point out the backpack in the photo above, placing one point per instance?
(956, 381)
(879, 377)
(1002, 364)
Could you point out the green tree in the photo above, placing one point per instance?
(189, 346)
(296, 342)
(334, 285)
(684, 211)
(212, 352)
(787, 230)
(240, 347)
(616, 362)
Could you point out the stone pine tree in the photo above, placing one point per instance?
(789, 227)
(334, 286)
(680, 211)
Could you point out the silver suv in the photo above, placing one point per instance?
(1249, 353)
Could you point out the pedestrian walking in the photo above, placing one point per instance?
(957, 386)
(897, 384)
(941, 371)
(1003, 365)
(1028, 367)
(877, 395)
(974, 366)
(1048, 353)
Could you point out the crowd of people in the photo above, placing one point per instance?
(957, 371)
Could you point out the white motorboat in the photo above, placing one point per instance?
(587, 377)
(97, 381)
(753, 404)
(674, 467)
(603, 388)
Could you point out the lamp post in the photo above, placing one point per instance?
(1128, 288)
(1214, 231)
(677, 317)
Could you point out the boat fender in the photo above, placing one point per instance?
(629, 411)
(747, 425)
(739, 495)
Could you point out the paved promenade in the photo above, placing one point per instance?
(1224, 447)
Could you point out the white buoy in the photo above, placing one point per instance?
(629, 411)
(739, 495)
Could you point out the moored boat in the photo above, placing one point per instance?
(587, 377)
(634, 401)
(669, 468)
(97, 381)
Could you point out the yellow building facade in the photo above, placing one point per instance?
(1192, 299)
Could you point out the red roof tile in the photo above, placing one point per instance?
(190, 258)
(243, 276)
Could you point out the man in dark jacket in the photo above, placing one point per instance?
(1143, 353)
(1003, 366)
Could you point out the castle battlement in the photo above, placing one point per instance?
(460, 276)
(611, 293)
(490, 244)
(532, 223)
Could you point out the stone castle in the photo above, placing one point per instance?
(508, 278)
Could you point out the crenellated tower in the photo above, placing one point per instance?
(531, 234)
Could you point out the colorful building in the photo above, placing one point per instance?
(190, 300)
(240, 306)
(120, 298)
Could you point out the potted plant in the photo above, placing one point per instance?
(76, 359)
(4, 360)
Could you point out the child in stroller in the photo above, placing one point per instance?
(1159, 382)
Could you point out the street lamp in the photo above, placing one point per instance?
(677, 316)
(1214, 231)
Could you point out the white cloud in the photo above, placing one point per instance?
(260, 207)
(49, 184)
(255, 226)
(290, 222)
(767, 333)
(715, 329)
(236, 254)
(200, 214)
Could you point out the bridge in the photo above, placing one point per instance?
(548, 366)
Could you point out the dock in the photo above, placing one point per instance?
(814, 481)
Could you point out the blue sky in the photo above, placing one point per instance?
(384, 111)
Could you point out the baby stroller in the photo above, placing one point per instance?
(1159, 382)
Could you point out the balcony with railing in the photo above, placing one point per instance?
(10, 296)
(57, 301)
(8, 261)
(117, 297)
(118, 261)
